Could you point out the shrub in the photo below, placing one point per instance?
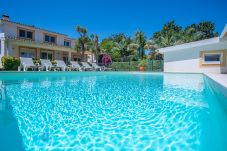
(142, 63)
(35, 61)
(150, 65)
(53, 62)
(106, 60)
(10, 63)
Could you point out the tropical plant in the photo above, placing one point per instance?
(119, 46)
(94, 45)
(190, 34)
(10, 63)
(107, 45)
(173, 34)
(82, 43)
(142, 63)
(140, 40)
(106, 60)
(119, 37)
(151, 45)
(169, 35)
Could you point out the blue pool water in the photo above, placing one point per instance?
(111, 111)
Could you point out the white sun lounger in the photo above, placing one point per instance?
(27, 63)
(86, 66)
(61, 64)
(47, 65)
(96, 67)
(75, 66)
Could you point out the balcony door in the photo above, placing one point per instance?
(27, 52)
(46, 54)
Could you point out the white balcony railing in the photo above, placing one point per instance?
(16, 38)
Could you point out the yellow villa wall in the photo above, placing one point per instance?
(223, 63)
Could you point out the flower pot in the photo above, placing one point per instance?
(141, 68)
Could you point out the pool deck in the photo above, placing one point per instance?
(219, 78)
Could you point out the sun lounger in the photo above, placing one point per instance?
(96, 67)
(86, 66)
(75, 66)
(27, 63)
(47, 65)
(61, 64)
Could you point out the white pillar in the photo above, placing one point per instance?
(70, 56)
(2, 47)
(2, 38)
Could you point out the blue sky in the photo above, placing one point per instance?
(113, 16)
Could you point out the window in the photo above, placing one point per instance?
(29, 34)
(212, 58)
(50, 39)
(46, 55)
(67, 43)
(25, 34)
(27, 52)
(47, 38)
(22, 33)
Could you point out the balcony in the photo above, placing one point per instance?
(35, 43)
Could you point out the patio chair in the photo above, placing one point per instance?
(96, 67)
(27, 63)
(75, 66)
(61, 64)
(47, 65)
(86, 66)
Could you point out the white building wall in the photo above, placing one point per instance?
(39, 36)
(2, 47)
(188, 60)
(60, 40)
(1, 27)
(11, 29)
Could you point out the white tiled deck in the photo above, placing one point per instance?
(219, 78)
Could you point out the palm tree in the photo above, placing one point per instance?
(94, 45)
(140, 40)
(122, 47)
(152, 47)
(191, 34)
(125, 48)
(82, 43)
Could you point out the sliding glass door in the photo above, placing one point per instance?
(46, 54)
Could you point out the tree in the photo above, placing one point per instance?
(107, 45)
(119, 47)
(82, 43)
(94, 45)
(172, 34)
(169, 35)
(140, 40)
(119, 37)
(124, 48)
(206, 29)
(151, 45)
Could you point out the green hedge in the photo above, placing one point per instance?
(152, 65)
(10, 63)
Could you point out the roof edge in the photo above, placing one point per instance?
(224, 31)
(32, 26)
(190, 44)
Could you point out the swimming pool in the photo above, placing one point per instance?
(111, 111)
